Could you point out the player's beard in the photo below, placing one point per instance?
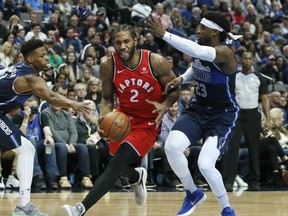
(130, 54)
(204, 41)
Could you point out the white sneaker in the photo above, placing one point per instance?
(240, 182)
(28, 210)
(77, 210)
(12, 182)
(235, 184)
(139, 187)
(2, 186)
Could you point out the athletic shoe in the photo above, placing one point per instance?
(228, 211)
(240, 182)
(139, 187)
(27, 210)
(76, 210)
(12, 182)
(191, 202)
(2, 186)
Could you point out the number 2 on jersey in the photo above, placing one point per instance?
(135, 93)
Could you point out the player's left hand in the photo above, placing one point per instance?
(160, 109)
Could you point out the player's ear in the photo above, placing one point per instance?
(29, 59)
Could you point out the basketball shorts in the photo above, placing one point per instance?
(200, 123)
(10, 134)
(141, 137)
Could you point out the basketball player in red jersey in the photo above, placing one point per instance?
(138, 78)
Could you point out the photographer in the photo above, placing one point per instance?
(38, 132)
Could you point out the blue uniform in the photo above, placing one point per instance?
(10, 134)
(214, 111)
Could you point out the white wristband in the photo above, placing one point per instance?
(188, 75)
(206, 53)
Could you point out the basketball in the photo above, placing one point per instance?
(115, 125)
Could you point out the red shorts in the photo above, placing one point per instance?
(142, 137)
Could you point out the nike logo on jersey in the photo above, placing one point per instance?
(151, 123)
(120, 71)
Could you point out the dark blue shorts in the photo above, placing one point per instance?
(10, 134)
(199, 122)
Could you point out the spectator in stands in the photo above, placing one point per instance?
(14, 24)
(275, 99)
(8, 9)
(35, 32)
(91, 7)
(50, 7)
(80, 91)
(276, 32)
(35, 6)
(87, 135)
(71, 61)
(90, 23)
(100, 24)
(184, 99)
(33, 19)
(3, 28)
(178, 28)
(125, 8)
(65, 7)
(185, 63)
(96, 43)
(72, 39)
(94, 91)
(49, 76)
(54, 59)
(165, 19)
(140, 10)
(38, 132)
(68, 151)
(251, 14)
(150, 44)
(109, 52)
(54, 23)
(276, 13)
(85, 75)
(80, 10)
(89, 62)
(75, 25)
(20, 36)
(238, 16)
(6, 57)
(270, 69)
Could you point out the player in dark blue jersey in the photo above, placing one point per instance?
(17, 84)
(212, 116)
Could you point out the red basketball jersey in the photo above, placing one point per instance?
(134, 86)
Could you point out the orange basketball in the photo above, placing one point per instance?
(116, 126)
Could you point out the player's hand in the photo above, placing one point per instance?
(81, 107)
(175, 83)
(100, 131)
(154, 25)
(160, 109)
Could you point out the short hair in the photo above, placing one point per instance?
(30, 46)
(59, 85)
(125, 27)
(220, 19)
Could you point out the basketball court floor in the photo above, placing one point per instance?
(160, 202)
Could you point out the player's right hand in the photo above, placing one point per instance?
(81, 107)
(175, 83)
(99, 130)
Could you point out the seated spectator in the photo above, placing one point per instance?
(94, 91)
(6, 57)
(65, 7)
(38, 132)
(54, 59)
(150, 44)
(68, 151)
(87, 135)
(74, 69)
(72, 39)
(85, 75)
(139, 11)
(35, 32)
(80, 91)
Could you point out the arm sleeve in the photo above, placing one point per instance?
(190, 48)
(188, 75)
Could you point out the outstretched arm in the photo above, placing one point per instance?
(37, 85)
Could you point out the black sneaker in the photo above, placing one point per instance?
(39, 182)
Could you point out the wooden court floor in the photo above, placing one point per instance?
(264, 203)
